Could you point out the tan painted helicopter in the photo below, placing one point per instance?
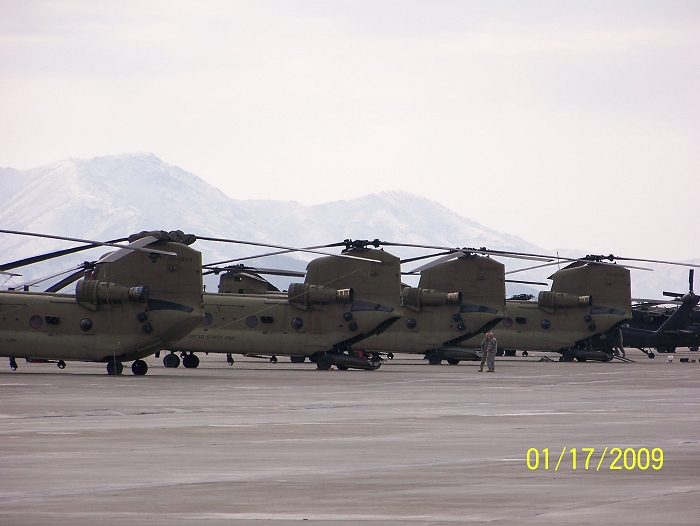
(454, 300)
(342, 302)
(588, 298)
(129, 304)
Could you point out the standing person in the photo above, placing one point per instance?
(489, 346)
(618, 345)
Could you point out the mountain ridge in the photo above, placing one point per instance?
(113, 196)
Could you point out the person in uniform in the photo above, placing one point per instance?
(618, 344)
(489, 346)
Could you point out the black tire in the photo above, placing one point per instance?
(581, 359)
(651, 355)
(190, 361)
(525, 353)
(452, 361)
(342, 367)
(171, 360)
(139, 368)
(434, 359)
(323, 363)
(693, 348)
(114, 368)
(297, 359)
(509, 352)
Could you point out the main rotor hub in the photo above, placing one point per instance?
(361, 243)
(175, 236)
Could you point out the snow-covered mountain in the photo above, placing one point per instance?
(113, 196)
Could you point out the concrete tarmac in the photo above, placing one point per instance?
(410, 443)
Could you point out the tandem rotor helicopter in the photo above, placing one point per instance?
(454, 301)
(126, 306)
(129, 304)
(460, 295)
(588, 301)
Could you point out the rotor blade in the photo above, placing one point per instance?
(46, 278)
(691, 279)
(572, 260)
(437, 261)
(677, 263)
(291, 249)
(655, 302)
(531, 268)
(96, 243)
(51, 255)
(419, 258)
(527, 282)
(673, 294)
(276, 253)
(502, 253)
(66, 281)
(257, 270)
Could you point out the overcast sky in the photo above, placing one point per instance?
(573, 125)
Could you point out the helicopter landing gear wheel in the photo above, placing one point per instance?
(390, 356)
(13, 364)
(435, 359)
(342, 367)
(190, 361)
(323, 363)
(651, 355)
(61, 364)
(581, 359)
(139, 368)
(114, 368)
(525, 353)
(229, 359)
(297, 359)
(171, 360)
(273, 359)
(452, 361)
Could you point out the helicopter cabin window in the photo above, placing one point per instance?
(546, 324)
(507, 322)
(251, 321)
(521, 320)
(267, 319)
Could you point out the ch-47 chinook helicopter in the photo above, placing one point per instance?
(458, 296)
(342, 301)
(128, 304)
(454, 300)
(588, 298)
